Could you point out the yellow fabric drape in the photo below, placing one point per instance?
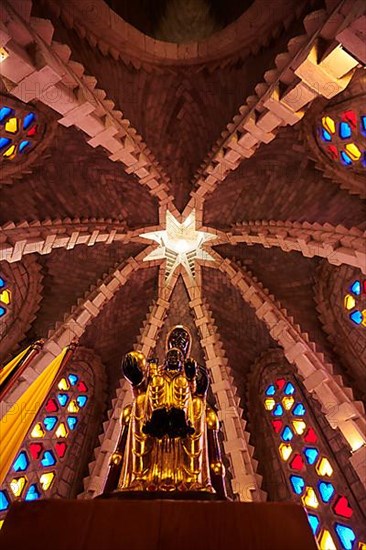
(18, 420)
(8, 369)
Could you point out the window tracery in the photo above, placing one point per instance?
(50, 444)
(309, 468)
(19, 132)
(5, 297)
(342, 136)
(355, 302)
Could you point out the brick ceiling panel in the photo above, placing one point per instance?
(78, 181)
(244, 337)
(114, 332)
(68, 274)
(180, 112)
(281, 183)
(290, 277)
(179, 313)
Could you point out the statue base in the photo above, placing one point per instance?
(160, 495)
(155, 525)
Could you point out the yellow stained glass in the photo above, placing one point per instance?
(326, 542)
(46, 480)
(12, 125)
(309, 499)
(353, 151)
(9, 152)
(349, 301)
(17, 485)
(328, 124)
(63, 384)
(324, 468)
(1, 523)
(73, 407)
(269, 404)
(5, 297)
(364, 321)
(61, 430)
(37, 431)
(285, 451)
(362, 546)
(299, 426)
(288, 402)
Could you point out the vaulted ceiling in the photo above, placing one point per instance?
(175, 106)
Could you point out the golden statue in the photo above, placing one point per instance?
(169, 433)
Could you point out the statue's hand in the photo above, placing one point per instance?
(190, 368)
(132, 367)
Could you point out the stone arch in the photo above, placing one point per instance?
(52, 459)
(24, 281)
(280, 475)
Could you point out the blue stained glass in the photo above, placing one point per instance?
(364, 159)
(345, 131)
(72, 421)
(48, 459)
(356, 317)
(81, 400)
(73, 379)
(50, 422)
(271, 390)
(311, 454)
(23, 145)
(325, 135)
(4, 142)
(2, 282)
(356, 288)
(277, 411)
(5, 112)
(21, 463)
(62, 399)
(345, 159)
(289, 389)
(314, 523)
(326, 490)
(28, 119)
(363, 125)
(299, 410)
(32, 493)
(4, 501)
(298, 484)
(346, 536)
(287, 434)
(2, 311)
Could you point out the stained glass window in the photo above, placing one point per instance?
(5, 297)
(355, 302)
(342, 137)
(309, 467)
(18, 132)
(47, 447)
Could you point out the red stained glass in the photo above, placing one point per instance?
(280, 382)
(297, 463)
(51, 406)
(60, 448)
(364, 286)
(351, 117)
(32, 131)
(277, 425)
(82, 386)
(333, 151)
(35, 450)
(310, 436)
(342, 507)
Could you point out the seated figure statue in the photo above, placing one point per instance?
(169, 434)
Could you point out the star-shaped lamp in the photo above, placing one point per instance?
(180, 244)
